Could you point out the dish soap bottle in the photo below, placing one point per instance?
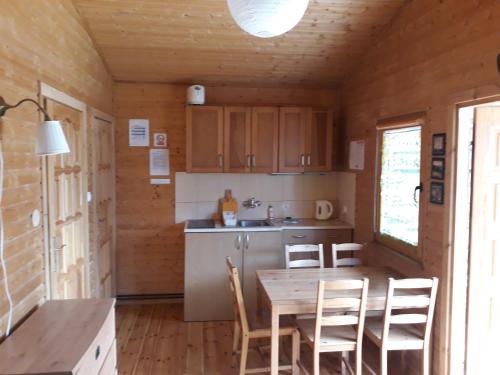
(270, 213)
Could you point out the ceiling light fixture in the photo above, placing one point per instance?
(50, 139)
(267, 18)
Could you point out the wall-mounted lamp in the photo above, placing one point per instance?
(50, 139)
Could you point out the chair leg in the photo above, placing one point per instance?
(383, 361)
(236, 342)
(343, 368)
(316, 362)
(425, 361)
(295, 352)
(359, 360)
(244, 354)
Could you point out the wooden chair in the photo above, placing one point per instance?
(399, 331)
(345, 262)
(338, 333)
(247, 332)
(304, 263)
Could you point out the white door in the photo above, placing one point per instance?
(484, 290)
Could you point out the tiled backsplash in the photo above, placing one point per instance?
(197, 194)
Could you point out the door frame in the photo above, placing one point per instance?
(454, 102)
(46, 91)
(95, 114)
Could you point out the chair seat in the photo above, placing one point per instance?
(333, 339)
(401, 337)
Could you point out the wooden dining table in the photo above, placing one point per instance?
(294, 291)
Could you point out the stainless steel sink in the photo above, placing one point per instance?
(253, 223)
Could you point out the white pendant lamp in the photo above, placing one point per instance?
(50, 139)
(267, 18)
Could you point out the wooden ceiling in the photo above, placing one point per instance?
(181, 41)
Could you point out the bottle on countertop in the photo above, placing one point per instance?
(270, 213)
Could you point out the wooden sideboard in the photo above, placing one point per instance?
(63, 337)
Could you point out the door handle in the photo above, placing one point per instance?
(249, 160)
(309, 159)
(237, 242)
(419, 188)
(60, 248)
(302, 160)
(254, 163)
(221, 162)
(297, 236)
(247, 241)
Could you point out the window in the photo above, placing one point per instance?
(399, 185)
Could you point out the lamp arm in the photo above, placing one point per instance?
(4, 107)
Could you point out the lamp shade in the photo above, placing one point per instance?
(267, 18)
(50, 139)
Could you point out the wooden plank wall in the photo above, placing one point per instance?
(432, 51)
(150, 246)
(40, 40)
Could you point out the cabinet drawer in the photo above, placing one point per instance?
(299, 236)
(109, 366)
(329, 236)
(94, 358)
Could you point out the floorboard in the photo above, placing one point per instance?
(153, 339)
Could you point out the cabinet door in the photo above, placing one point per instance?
(262, 251)
(237, 133)
(207, 295)
(319, 141)
(292, 142)
(265, 133)
(204, 136)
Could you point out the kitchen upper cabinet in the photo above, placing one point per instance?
(265, 133)
(237, 139)
(292, 140)
(319, 141)
(204, 139)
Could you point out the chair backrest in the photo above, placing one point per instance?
(240, 314)
(410, 294)
(351, 296)
(290, 250)
(344, 247)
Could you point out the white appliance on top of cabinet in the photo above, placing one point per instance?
(207, 295)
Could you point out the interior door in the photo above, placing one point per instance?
(293, 122)
(484, 280)
(265, 133)
(67, 215)
(204, 138)
(237, 139)
(102, 217)
(319, 141)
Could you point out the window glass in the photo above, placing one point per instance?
(400, 175)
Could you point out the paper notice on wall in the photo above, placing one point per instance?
(138, 133)
(357, 155)
(158, 162)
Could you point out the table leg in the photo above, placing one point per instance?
(275, 350)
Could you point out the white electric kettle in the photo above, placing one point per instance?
(324, 210)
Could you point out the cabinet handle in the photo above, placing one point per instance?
(249, 160)
(254, 163)
(237, 242)
(247, 241)
(297, 236)
(309, 159)
(302, 160)
(221, 161)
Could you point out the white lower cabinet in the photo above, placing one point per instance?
(206, 288)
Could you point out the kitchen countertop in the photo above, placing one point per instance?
(277, 226)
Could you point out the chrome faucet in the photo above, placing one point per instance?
(251, 203)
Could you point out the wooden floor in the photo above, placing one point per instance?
(153, 339)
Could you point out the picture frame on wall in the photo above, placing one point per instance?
(438, 166)
(437, 193)
(439, 144)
